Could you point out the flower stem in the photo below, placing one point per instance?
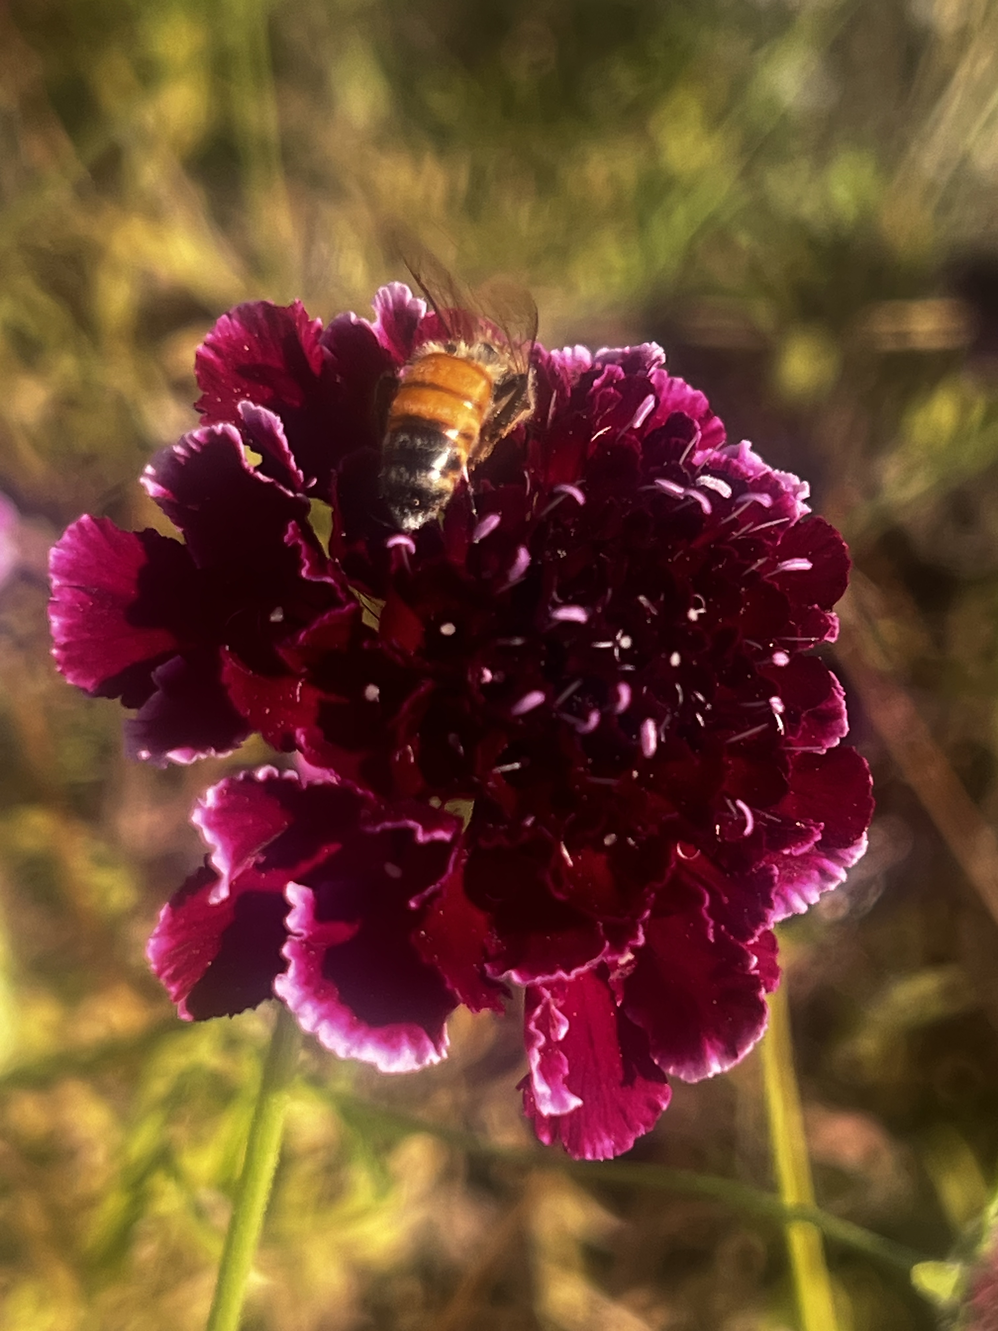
(263, 1148)
(815, 1302)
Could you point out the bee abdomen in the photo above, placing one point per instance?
(449, 391)
(420, 466)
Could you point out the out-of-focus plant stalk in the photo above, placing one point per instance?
(257, 131)
(815, 1302)
(263, 1148)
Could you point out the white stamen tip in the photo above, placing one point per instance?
(569, 614)
(528, 702)
(487, 525)
(748, 815)
(780, 659)
(448, 630)
(794, 566)
(371, 693)
(623, 698)
(778, 705)
(573, 491)
(649, 737)
(674, 660)
(626, 642)
(610, 839)
(643, 412)
(519, 566)
(276, 616)
(716, 484)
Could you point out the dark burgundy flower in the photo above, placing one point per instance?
(600, 657)
(319, 893)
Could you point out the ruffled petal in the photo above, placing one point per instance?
(187, 716)
(230, 514)
(119, 605)
(363, 990)
(696, 993)
(454, 938)
(592, 1085)
(218, 955)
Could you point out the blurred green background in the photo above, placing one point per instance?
(799, 199)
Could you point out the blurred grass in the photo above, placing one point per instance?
(799, 201)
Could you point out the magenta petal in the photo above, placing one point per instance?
(218, 955)
(536, 936)
(188, 716)
(229, 513)
(592, 1085)
(103, 626)
(816, 543)
(397, 315)
(268, 354)
(454, 938)
(697, 994)
(361, 987)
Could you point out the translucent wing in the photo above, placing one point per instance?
(451, 300)
(469, 315)
(510, 308)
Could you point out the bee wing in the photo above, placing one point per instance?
(510, 308)
(450, 300)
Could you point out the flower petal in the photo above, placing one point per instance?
(119, 600)
(218, 956)
(187, 716)
(592, 1085)
(696, 993)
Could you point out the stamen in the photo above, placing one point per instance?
(569, 614)
(585, 727)
(649, 737)
(642, 413)
(794, 566)
(487, 525)
(276, 616)
(780, 659)
(371, 693)
(670, 487)
(573, 491)
(519, 566)
(623, 698)
(448, 630)
(528, 702)
(674, 660)
(715, 483)
(746, 734)
(749, 817)
(567, 693)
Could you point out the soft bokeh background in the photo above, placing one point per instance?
(799, 199)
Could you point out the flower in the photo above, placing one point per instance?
(583, 708)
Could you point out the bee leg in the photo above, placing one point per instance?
(512, 400)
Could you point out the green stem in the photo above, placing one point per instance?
(815, 1301)
(263, 1147)
(365, 1115)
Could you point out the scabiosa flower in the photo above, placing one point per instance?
(571, 738)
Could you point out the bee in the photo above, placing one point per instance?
(458, 396)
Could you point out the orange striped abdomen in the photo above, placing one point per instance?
(450, 391)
